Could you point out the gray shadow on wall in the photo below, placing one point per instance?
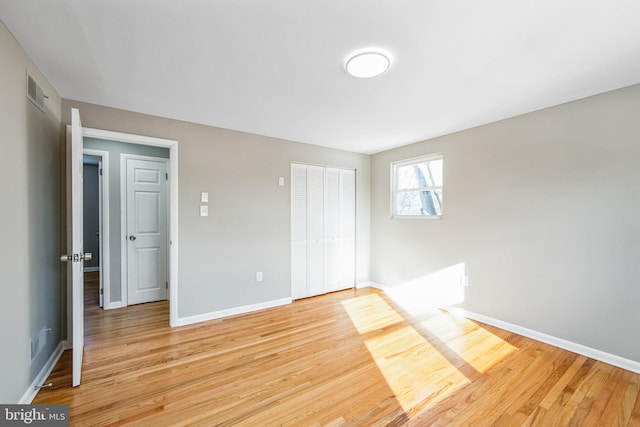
(44, 237)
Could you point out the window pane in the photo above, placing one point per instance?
(419, 203)
(420, 175)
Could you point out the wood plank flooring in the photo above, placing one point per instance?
(347, 358)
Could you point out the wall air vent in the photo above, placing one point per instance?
(34, 93)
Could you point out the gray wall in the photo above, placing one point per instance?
(31, 290)
(248, 228)
(543, 211)
(115, 236)
(91, 213)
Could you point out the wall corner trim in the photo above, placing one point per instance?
(42, 376)
(183, 321)
(602, 356)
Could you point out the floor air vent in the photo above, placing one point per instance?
(34, 93)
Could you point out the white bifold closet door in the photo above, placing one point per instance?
(340, 229)
(322, 229)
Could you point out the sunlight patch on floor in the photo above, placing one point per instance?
(414, 370)
(412, 367)
(425, 363)
(371, 313)
(478, 347)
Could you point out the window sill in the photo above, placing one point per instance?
(416, 216)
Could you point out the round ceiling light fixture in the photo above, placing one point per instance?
(367, 63)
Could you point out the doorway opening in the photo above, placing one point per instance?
(114, 284)
(96, 219)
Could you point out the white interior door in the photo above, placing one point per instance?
(146, 214)
(75, 251)
(100, 234)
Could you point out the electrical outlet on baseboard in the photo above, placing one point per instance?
(259, 276)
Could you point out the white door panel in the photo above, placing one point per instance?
(316, 267)
(348, 203)
(347, 263)
(299, 272)
(299, 203)
(333, 265)
(146, 214)
(316, 203)
(332, 204)
(75, 246)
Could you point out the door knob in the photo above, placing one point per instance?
(77, 257)
(132, 238)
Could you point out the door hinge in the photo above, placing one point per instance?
(101, 172)
(166, 285)
(101, 291)
(166, 176)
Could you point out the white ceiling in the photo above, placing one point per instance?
(276, 67)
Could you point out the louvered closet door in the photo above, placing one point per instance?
(333, 267)
(347, 228)
(299, 273)
(316, 176)
(340, 226)
(322, 230)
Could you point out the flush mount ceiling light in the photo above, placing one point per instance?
(367, 63)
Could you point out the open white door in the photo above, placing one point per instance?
(75, 252)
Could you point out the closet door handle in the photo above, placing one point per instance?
(132, 238)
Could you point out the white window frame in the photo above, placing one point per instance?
(394, 185)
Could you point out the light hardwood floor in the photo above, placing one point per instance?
(347, 358)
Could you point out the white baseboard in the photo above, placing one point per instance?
(67, 345)
(363, 285)
(611, 359)
(44, 373)
(182, 321)
(91, 269)
(377, 286)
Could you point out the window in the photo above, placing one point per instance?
(416, 187)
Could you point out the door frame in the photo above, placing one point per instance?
(124, 258)
(104, 259)
(172, 195)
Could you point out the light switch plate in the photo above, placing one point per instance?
(204, 210)
(281, 181)
(204, 197)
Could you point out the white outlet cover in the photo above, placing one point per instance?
(204, 197)
(204, 210)
(281, 181)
